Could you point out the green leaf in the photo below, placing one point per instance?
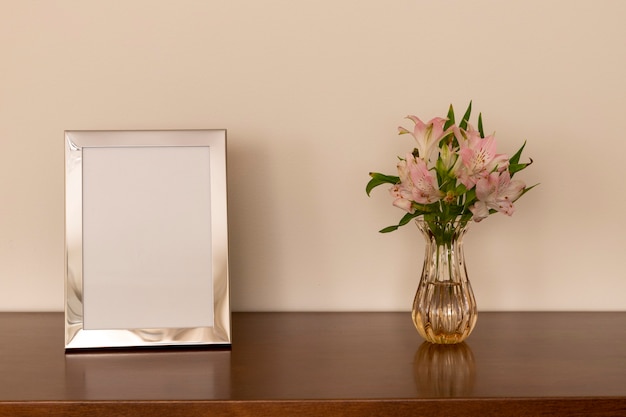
(388, 229)
(480, 125)
(392, 179)
(407, 217)
(514, 164)
(513, 168)
(379, 179)
(466, 116)
(450, 120)
(527, 189)
(515, 158)
(404, 220)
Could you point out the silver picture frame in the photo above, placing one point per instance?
(146, 239)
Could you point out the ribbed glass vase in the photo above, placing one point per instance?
(444, 309)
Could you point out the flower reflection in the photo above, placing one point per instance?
(444, 370)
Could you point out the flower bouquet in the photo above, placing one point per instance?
(453, 171)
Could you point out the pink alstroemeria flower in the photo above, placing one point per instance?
(496, 191)
(478, 156)
(402, 198)
(417, 184)
(427, 135)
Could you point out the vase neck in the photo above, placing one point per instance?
(443, 233)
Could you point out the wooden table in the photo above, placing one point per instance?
(312, 364)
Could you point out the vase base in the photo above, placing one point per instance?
(445, 337)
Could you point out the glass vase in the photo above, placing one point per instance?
(444, 309)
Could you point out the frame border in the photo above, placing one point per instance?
(76, 337)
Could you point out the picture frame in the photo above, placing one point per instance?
(146, 239)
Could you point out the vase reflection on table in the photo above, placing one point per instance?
(444, 370)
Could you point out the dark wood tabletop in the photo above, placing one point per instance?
(309, 364)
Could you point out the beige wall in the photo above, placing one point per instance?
(311, 93)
